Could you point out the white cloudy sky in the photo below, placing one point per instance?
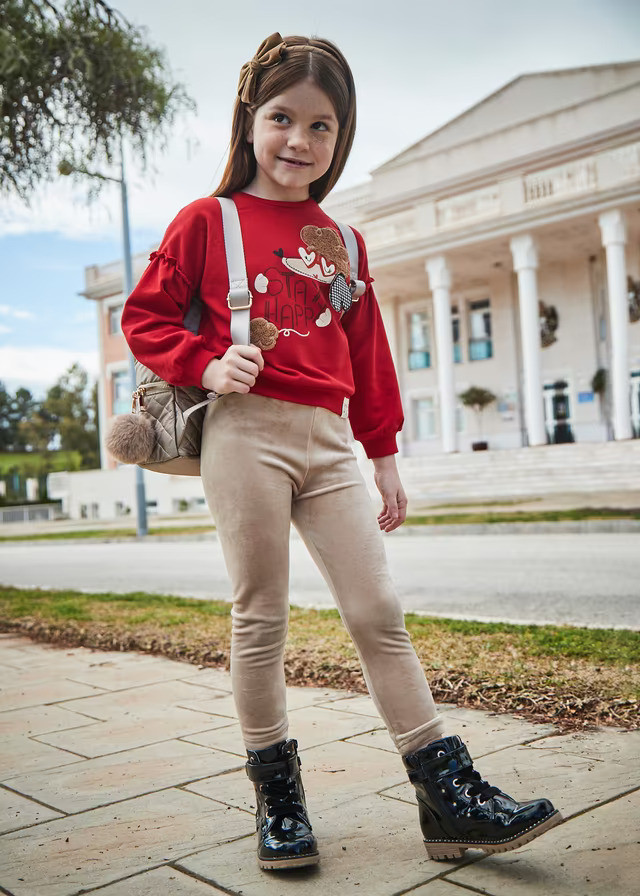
(416, 65)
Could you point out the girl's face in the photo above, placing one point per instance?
(293, 136)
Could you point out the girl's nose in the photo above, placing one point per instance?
(298, 138)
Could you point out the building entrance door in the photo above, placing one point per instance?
(557, 412)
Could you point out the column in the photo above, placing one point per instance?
(612, 228)
(525, 263)
(440, 284)
(390, 312)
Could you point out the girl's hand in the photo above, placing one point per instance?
(394, 510)
(236, 371)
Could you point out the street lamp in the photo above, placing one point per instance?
(66, 168)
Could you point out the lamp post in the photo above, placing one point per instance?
(66, 168)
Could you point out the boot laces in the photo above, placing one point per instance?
(476, 786)
(282, 798)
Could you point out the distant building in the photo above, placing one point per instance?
(505, 248)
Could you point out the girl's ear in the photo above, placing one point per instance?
(249, 133)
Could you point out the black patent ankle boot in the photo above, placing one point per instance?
(459, 811)
(285, 838)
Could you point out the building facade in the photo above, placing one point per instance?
(505, 249)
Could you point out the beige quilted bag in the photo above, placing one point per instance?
(177, 415)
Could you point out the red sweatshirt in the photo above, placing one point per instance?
(320, 358)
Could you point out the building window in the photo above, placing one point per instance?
(455, 332)
(424, 419)
(115, 315)
(419, 340)
(480, 343)
(121, 385)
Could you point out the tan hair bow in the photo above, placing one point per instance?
(269, 53)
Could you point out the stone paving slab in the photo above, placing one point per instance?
(32, 756)
(96, 782)
(132, 731)
(176, 816)
(112, 674)
(297, 698)
(149, 699)
(311, 726)
(605, 745)
(482, 732)
(574, 783)
(445, 887)
(371, 846)
(207, 677)
(45, 690)
(595, 854)
(334, 774)
(116, 674)
(17, 812)
(165, 881)
(365, 705)
(60, 857)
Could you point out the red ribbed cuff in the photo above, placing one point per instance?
(381, 446)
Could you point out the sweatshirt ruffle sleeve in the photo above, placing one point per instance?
(153, 315)
(376, 407)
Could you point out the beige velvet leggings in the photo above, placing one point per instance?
(265, 464)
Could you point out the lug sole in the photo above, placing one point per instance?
(288, 864)
(440, 851)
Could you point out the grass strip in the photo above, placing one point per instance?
(575, 678)
(433, 519)
(111, 533)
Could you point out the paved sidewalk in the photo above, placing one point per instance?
(123, 774)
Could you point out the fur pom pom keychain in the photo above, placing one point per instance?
(131, 437)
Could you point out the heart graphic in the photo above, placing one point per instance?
(324, 319)
(327, 269)
(308, 259)
(261, 283)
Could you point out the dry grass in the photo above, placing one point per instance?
(575, 678)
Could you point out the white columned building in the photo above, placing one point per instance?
(440, 283)
(614, 238)
(525, 263)
(525, 212)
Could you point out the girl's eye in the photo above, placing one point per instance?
(279, 115)
(322, 125)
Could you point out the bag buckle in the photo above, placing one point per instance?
(239, 299)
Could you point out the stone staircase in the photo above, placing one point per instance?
(588, 469)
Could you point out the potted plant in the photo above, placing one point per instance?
(477, 398)
(599, 385)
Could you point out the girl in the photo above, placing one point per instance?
(275, 447)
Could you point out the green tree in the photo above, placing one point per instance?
(6, 434)
(66, 420)
(75, 79)
(15, 410)
(69, 409)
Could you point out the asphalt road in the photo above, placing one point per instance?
(581, 579)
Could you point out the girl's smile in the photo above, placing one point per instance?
(294, 137)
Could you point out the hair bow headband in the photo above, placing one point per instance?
(269, 53)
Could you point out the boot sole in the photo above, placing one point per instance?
(453, 849)
(287, 864)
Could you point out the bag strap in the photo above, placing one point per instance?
(239, 298)
(357, 286)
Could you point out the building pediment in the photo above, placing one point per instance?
(524, 100)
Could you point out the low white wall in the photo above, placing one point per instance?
(111, 494)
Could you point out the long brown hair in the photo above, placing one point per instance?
(330, 72)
